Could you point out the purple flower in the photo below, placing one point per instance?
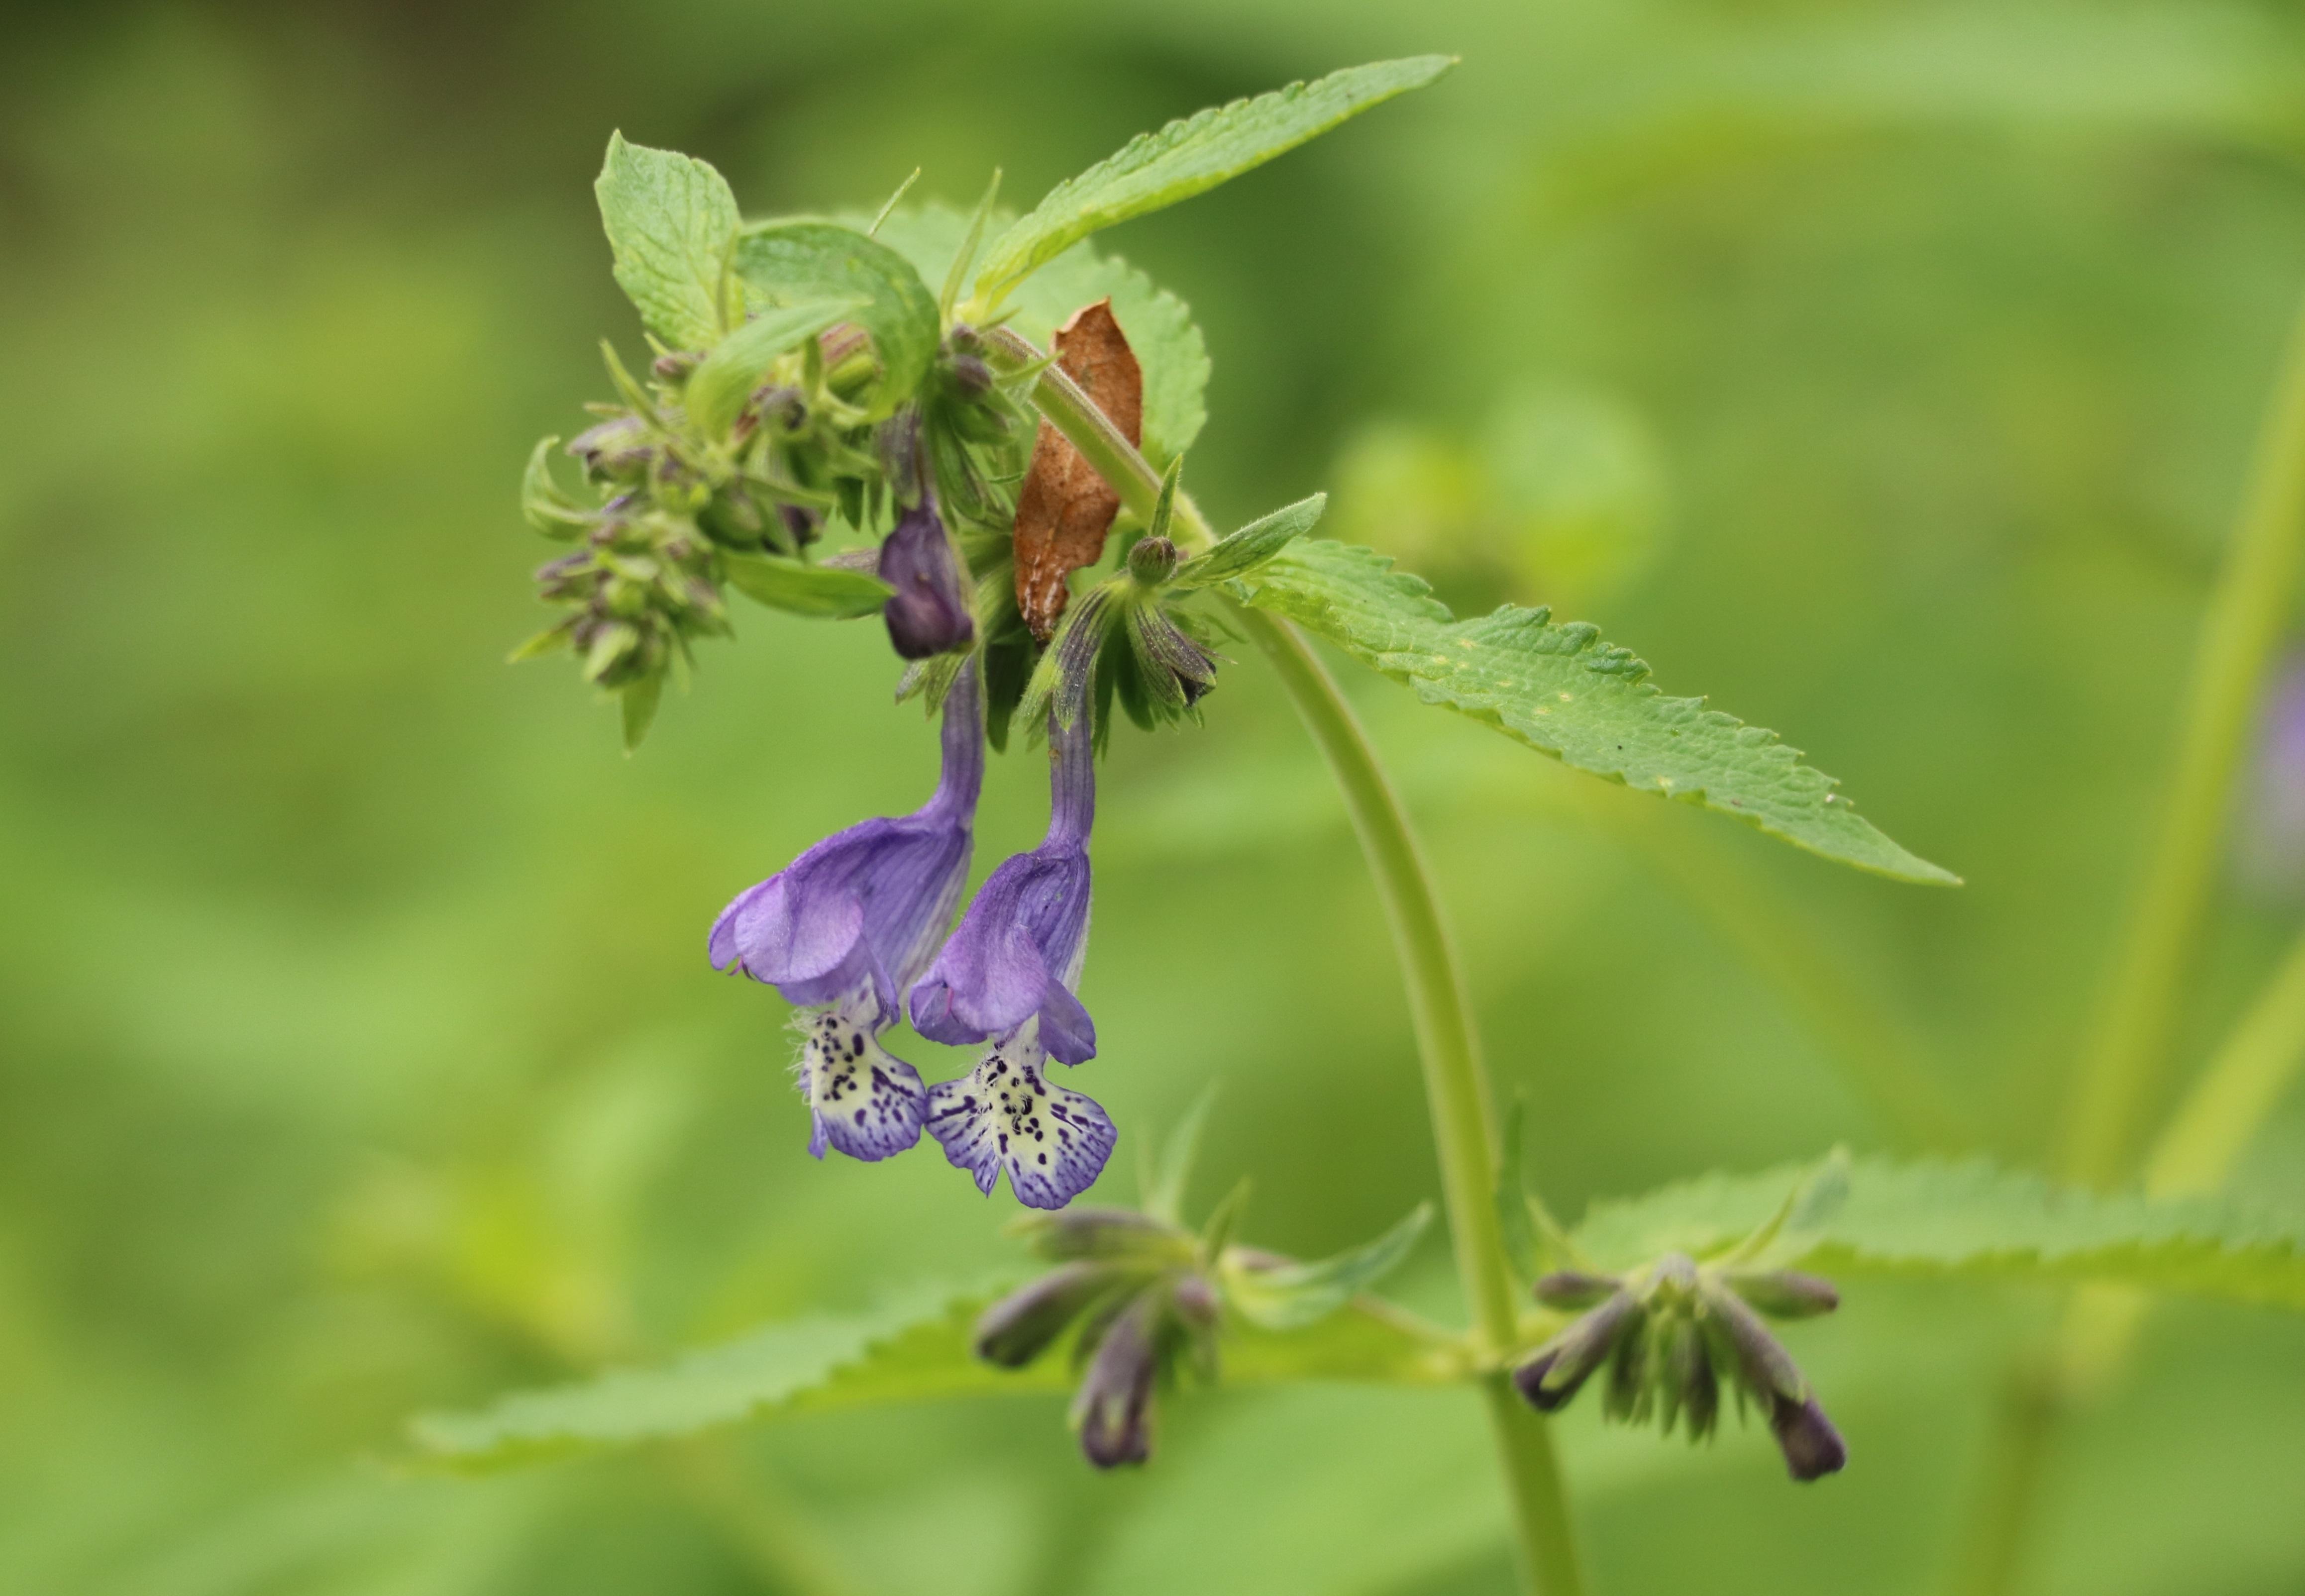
(928, 615)
(846, 926)
(1018, 951)
(1007, 1115)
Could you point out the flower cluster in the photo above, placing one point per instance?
(1137, 1293)
(860, 919)
(1670, 1334)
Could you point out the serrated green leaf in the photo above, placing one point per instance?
(1563, 691)
(718, 388)
(785, 263)
(1190, 157)
(823, 591)
(1160, 331)
(670, 218)
(1242, 552)
(914, 1347)
(1969, 1217)
(1295, 1295)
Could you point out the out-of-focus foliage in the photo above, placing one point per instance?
(357, 1050)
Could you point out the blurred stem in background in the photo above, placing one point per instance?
(1456, 1086)
(2121, 1072)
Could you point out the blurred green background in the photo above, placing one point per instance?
(1887, 371)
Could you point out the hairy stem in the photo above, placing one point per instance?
(2121, 1072)
(1456, 1086)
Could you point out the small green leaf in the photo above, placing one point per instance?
(1164, 1188)
(914, 1346)
(1971, 1218)
(549, 641)
(1294, 1295)
(640, 701)
(1244, 550)
(1563, 691)
(783, 263)
(547, 507)
(718, 388)
(669, 219)
(1161, 334)
(819, 590)
(1190, 157)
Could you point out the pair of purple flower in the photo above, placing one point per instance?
(861, 917)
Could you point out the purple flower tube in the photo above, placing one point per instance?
(850, 923)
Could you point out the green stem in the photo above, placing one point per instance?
(2121, 1073)
(2237, 1092)
(1455, 1087)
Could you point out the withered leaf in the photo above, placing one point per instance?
(1065, 508)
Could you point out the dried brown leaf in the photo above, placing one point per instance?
(1065, 508)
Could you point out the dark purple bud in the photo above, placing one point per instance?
(1114, 1408)
(1563, 1364)
(972, 376)
(675, 365)
(964, 339)
(1573, 1288)
(567, 577)
(1106, 1233)
(801, 523)
(1786, 1294)
(898, 442)
(928, 615)
(1020, 1326)
(1812, 1447)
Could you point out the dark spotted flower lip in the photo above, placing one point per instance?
(1007, 1117)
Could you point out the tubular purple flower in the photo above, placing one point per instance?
(1019, 949)
(847, 925)
(929, 613)
(1114, 1408)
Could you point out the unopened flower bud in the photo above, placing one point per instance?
(801, 524)
(675, 365)
(1196, 1301)
(616, 450)
(1786, 1294)
(1573, 1288)
(928, 615)
(1020, 1326)
(972, 376)
(1150, 560)
(1106, 1233)
(1563, 1365)
(1812, 1447)
(1114, 1408)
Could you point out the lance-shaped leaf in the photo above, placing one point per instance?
(670, 218)
(915, 1347)
(1562, 691)
(786, 263)
(1168, 345)
(1969, 1217)
(1065, 508)
(1288, 1295)
(825, 592)
(1244, 550)
(718, 388)
(1190, 157)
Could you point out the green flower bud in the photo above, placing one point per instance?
(1150, 560)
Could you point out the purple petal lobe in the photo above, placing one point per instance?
(1006, 1115)
(929, 613)
(1812, 1447)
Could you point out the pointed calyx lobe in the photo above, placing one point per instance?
(1065, 509)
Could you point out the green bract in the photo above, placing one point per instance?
(783, 263)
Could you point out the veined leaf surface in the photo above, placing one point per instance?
(1969, 1218)
(1190, 157)
(782, 263)
(1564, 691)
(670, 218)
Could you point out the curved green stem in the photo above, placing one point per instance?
(2120, 1075)
(1456, 1087)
